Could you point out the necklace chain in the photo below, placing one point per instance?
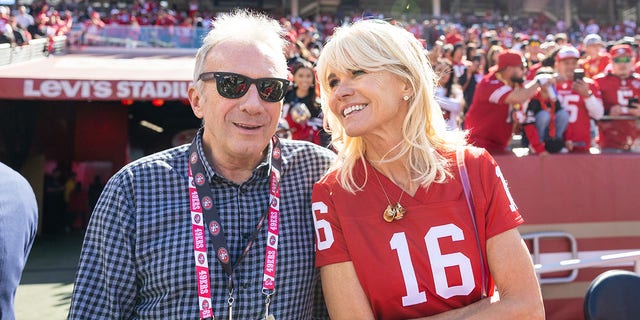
(392, 212)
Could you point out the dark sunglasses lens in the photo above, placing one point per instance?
(622, 59)
(271, 90)
(232, 86)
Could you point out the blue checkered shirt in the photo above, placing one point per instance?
(137, 258)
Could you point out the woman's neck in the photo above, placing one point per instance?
(397, 171)
(302, 92)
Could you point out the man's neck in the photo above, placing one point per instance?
(623, 76)
(235, 169)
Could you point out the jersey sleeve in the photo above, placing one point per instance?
(498, 92)
(501, 211)
(595, 89)
(330, 243)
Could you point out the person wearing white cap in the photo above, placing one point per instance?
(595, 59)
(580, 96)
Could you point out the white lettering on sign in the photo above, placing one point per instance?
(102, 89)
(149, 89)
(68, 88)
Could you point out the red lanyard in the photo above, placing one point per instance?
(203, 212)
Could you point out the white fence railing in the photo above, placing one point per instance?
(602, 261)
(37, 48)
(574, 263)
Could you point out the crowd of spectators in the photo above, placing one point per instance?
(39, 19)
(463, 49)
(570, 113)
(19, 28)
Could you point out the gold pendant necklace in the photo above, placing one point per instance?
(393, 211)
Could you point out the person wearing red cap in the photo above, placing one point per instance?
(501, 92)
(580, 97)
(620, 91)
(621, 83)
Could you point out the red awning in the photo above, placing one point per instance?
(101, 75)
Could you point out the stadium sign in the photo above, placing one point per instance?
(54, 89)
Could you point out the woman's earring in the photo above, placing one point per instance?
(405, 98)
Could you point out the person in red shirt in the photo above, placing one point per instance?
(596, 59)
(545, 121)
(453, 35)
(580, 97)
(620, 91)
(395, 235)
(621, 84)
(500, 93)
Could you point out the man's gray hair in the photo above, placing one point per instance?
(242, 26)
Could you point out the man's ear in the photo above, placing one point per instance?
(194, 100)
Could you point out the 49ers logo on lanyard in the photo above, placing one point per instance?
(202, 206)
(214, 228)
(223, 255)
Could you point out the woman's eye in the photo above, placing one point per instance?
(357, 72)
(333, 83)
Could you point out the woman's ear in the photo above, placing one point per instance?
(407, 89)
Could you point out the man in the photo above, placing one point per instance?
(621, 84)
(533, 53)
(595, 58)
(561, 39)
(199, 230)
(23, 18)
(620, 92)
(498, 95)
(545, 121)
(18, 224)
(580, 97)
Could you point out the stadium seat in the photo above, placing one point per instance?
(614, 294)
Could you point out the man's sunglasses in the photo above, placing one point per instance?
(233, 85)
(622, 59)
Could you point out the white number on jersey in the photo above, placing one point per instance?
(512, 204)
(569, 102)
(623, 97)
(322, 225)
(438, 263)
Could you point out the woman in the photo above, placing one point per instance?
(301, 109)
(475, 73)
(448, 93)
(492, 57)
(421, 256)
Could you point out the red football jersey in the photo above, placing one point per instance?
(617, 134)
(595, 65)
(579, 128)
(616, 91)
(429, 261)
(488, 119)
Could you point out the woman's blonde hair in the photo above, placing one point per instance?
(373, 46)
